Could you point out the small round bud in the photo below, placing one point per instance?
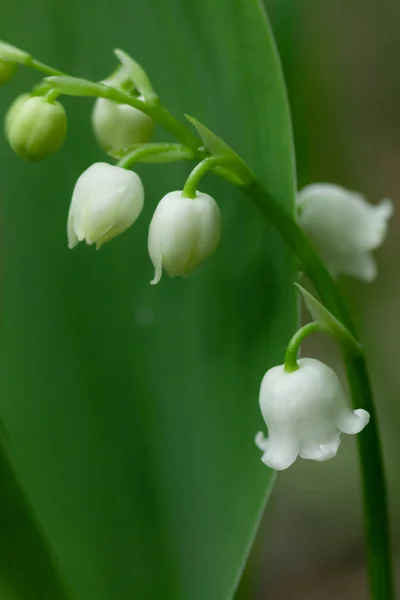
(105, 202)
(305, 412)
(12, 111)
(183, 233)
(36, 128)
(119, 126)
(7, 70)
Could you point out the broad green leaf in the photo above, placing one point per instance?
(27, 567)
(132, 410)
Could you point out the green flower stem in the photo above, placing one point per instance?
(293, 347)
(373, 483)
(42, 67)
(51, 96)
(82, 87)
(190, 187)
(152, 106)
(155, 153)
(378, 546)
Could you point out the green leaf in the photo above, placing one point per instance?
(218, 147)
(137, 74)
(132, 410)
(330, 324)
(74, 86)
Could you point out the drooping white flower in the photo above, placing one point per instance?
(119, 126)
(183, 233)
(105, 202)
(305, 412)
(343, 227)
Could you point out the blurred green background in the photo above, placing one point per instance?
(339, 60)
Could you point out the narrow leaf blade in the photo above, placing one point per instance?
(28, 568)
(217, 147)
(330, 323)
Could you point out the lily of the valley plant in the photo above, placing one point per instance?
(302, 401)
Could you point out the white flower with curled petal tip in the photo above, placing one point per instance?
(105, 202)
(183, 233)
(305, 412)
(344, 228)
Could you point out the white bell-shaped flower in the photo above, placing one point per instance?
(343, 227)
(105, 202)
(119, 126)
(183, 233)
(305, 412)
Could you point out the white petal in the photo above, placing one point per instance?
(154, 248)
(104, 236)
(72, 237)
(321, 452)
(279, 454)
(170, 233)
(75, 230)
(208, 232)
(379, 216)
(362, 266)
(157, 262)
(261, 441)
(353, 422)
(385, 208)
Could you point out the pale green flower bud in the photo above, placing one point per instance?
(12, 54)
(305, 412)
(36, 128)
(120, 126)
(12, 111)
(7, 70)
(183, 233)
(105, 202)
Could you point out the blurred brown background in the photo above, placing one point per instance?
(340, 61)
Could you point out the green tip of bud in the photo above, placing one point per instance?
(12, 54)
(35, 127)
(7, 70)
